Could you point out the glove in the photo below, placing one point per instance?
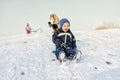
(49, 23)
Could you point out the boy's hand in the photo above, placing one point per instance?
(63, 45)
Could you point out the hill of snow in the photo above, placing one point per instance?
(29, 57)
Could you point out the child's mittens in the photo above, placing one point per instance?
(49, 23)
(63, 45)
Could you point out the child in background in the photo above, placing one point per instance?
(28, 29)
(54, 22)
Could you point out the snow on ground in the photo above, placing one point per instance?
(29, 57)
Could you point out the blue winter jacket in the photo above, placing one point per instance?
(60, 37)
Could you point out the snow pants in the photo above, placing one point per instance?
(69, 52)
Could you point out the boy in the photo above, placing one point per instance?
(65, 42)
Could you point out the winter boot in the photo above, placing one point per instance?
(77, 56)
(61, 56)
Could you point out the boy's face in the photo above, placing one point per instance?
(65, 27)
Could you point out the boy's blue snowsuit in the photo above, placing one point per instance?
(65, 42)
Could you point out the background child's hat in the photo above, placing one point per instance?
(62, 21)
(52, 12)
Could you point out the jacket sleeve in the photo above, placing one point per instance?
(56, 40)
(73, 41)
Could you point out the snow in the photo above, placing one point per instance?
(29, 57)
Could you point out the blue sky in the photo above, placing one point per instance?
(83, 14)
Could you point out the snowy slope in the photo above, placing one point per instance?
(29, 57)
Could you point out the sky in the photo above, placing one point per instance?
(83, 14)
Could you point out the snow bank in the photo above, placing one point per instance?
(29, 57)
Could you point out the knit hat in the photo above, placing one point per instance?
(62, 21)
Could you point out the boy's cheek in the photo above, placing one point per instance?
(66, 30)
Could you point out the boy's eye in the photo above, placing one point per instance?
(66, 25)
